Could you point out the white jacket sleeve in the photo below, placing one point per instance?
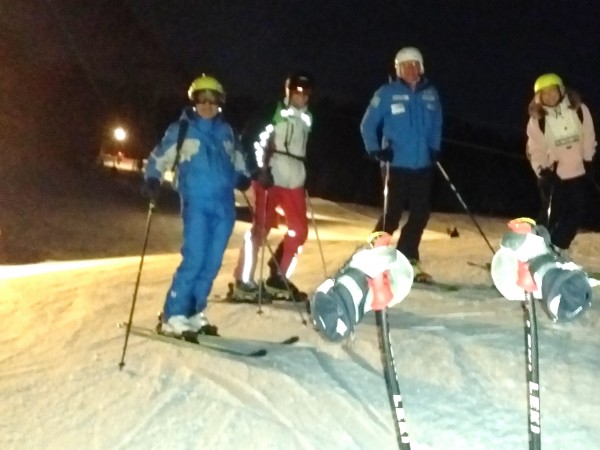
(589, 135)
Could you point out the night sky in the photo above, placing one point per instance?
(483, 55)
(99, 60)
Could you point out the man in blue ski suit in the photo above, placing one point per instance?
(208, 168)
(402, 128)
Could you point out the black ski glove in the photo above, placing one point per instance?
(243, 183)
(151, 189)
(385, 155)
(590, 172)
(264, 177)
(548, 175)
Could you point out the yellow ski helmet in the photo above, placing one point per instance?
(205, 83)
(546, 80)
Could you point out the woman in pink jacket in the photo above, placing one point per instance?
(560, 146)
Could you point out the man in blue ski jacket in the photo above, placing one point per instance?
(200, 148)
(402, 128)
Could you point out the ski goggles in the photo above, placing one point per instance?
(299, 90)
(208, 96)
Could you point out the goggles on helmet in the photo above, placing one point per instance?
(299, 82)
(209, 96)
(300, 90)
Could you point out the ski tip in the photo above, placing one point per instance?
(291, 340)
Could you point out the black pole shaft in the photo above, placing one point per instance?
(533, 375)
(391, 380)
(137, 282)
(386, 183)
(464, 205)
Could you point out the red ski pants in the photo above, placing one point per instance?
(293, 204)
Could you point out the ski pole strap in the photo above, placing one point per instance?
(183, 127)
(288, 154)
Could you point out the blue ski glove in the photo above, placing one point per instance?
(151, 189)
(385, 155)
(434, 155)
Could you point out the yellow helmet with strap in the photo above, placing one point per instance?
(205, 83)
(546, 80)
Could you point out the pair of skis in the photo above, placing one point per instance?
(248, 348)
(233, 297)
(295, 298)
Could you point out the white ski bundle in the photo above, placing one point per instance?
(562, 286)
(374, 277)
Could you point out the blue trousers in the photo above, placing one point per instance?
(207, 227)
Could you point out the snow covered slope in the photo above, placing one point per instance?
(460, 356)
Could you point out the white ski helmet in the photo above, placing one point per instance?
(409, 54)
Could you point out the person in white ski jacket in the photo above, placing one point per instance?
(277, 151)
(561, 144)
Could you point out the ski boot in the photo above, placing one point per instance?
(247, 292)
(186, 328)
(201, 325)
(420, 276)
(283, 289)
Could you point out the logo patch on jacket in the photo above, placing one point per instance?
(398, 108)
(566, 140)
(428, 96)
(189, 149)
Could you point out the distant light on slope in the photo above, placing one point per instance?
(120, 134)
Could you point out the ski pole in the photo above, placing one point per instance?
(389, 365)
(303, 320)
(533, 374)
(464, 205)
(151, 207)
(314, 222)
(386, 181)
(391, 380)
(262, 252)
